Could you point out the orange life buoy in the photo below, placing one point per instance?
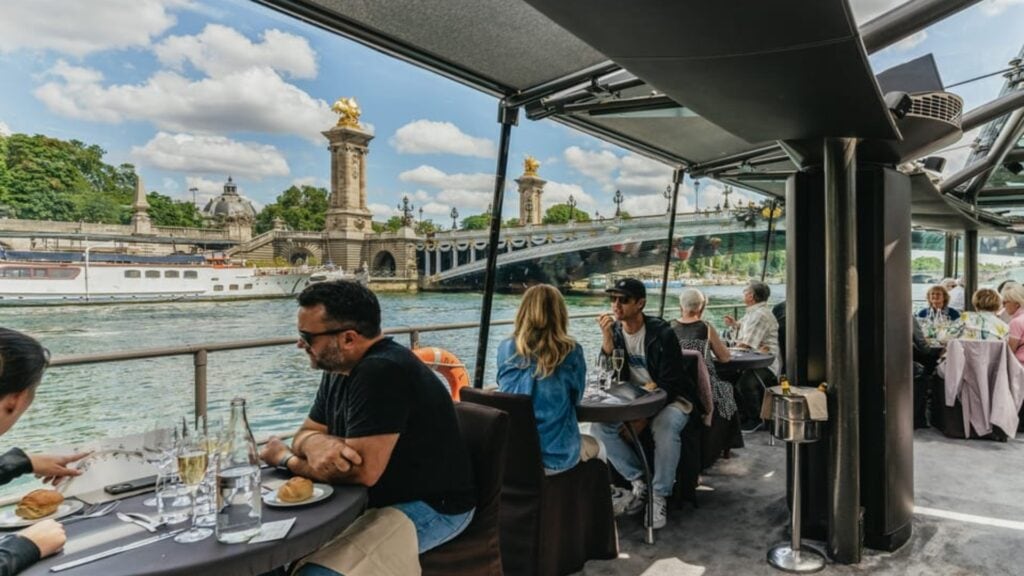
(447, 365)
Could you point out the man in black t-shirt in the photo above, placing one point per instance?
(381, 418)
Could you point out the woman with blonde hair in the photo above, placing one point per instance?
(541, 360)
(938, 306)
(1013, 303)
(983, 323)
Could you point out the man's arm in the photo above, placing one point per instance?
(331, 459)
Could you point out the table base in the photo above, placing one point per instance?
(800, 561)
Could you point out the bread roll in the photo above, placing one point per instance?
(296, 489)
(39, 503)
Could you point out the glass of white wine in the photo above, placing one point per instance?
(618, 361)
(193, 458)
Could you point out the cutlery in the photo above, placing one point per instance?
(133, 520)
(94, 511)
(115, 551)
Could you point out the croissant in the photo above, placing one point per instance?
(39, 503)
(296, 489)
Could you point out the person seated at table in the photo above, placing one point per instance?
(983, 323)
(694, 333)
(925, 358)
(653, 360)
(541, 360)
(938, 309)
(1013, 303)
(380, 419)
(22, 363)
(1003, 314)
(955, 287)
(758, 330)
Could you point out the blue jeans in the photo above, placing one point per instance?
(432, 530)
(666, 429)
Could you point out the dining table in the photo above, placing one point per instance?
(315, 525)
(623, 403)
(742, 361)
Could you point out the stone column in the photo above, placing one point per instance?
(531, 187)
(348, 219)
(141, 223)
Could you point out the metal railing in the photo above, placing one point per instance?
(200, 352)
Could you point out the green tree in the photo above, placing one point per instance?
(424, 227)
(926, 264)
(165, 211)
(559, 214)
(301, 208)
(477, 222)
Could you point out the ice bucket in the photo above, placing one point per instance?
(791, 420)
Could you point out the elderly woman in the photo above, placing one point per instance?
(22, 362)
(938, 307)
(1013, 303)
(696, 334)
(983, 323)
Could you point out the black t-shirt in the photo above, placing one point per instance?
(390, 391)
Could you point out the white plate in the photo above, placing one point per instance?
(320, 492)
(8, 519)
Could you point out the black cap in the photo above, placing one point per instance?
(628, 287)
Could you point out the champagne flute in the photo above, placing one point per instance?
(618, 361)
(192, 462)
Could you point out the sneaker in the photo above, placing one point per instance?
(621, 499)
(660, 511)
(639, 494)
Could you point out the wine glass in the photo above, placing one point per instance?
(193, 459)
(158, 450)
(618, 361)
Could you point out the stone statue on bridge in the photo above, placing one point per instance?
(530, 166)
(348, 111)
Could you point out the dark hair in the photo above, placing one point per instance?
(22, 361)
(759, 290)
(345, 302)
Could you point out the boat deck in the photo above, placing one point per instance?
(746, 514)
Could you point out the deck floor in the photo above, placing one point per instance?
(746, 514)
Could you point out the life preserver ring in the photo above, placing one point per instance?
(447, 365)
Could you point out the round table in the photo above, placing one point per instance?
(314, 526)
(743, 360)
(646, 406)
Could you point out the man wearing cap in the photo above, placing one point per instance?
(653, 359)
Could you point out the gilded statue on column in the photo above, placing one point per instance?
(348, 112)
(530, 166)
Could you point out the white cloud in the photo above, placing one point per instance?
(310, 181)
(219, 51)
(995, 7)
(81, 28)
(439, 210)
(382, 211)
(458, 197)
(642, 175)
(558, 193)
(251, 100)
(910, 41)
(5, 130)
(212, 155)
(206, 189)
(432, 177)
(169, 184)
(429, 137)
(596, 165)
(645, 205)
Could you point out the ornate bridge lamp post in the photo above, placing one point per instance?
(725, 204)
(455, 215)
(406, 207)
(668, 198)
(572, 208)
(421, 213)
(696, 196)
(618, 203)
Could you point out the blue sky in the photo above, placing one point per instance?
(192, 91)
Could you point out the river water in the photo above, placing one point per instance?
(78, 404)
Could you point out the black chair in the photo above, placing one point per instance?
(477, 551)
(550, 525)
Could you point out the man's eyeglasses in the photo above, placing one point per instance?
(307, 338)
(620, 299)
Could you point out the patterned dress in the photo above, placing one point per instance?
(694, 336)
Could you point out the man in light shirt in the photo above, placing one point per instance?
(758, 330)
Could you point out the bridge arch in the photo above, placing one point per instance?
(300, 253)
(383, 264)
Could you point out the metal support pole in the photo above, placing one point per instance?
(199, 362)
(677, 179)
(970, 267)
(956, 257)
(840, 167)
(508, 117)
(949, 255)
(768, 240)
(414, 339)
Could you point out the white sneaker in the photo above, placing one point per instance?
(621, 499)
(639, 498)
(660, 511)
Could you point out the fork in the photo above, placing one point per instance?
(93, 511)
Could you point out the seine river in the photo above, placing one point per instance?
(85, 403)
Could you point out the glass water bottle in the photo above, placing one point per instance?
(238, 480)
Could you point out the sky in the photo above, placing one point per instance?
(193, 91)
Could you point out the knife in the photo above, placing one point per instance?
(114, 551)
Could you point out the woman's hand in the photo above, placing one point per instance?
(47, 535)
(52, 468)
(729, 320)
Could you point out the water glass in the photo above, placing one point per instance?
(172, 502)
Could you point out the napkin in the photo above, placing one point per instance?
(817, 401)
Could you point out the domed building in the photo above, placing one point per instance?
(231, 211)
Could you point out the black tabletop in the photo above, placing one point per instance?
(314, 526)
(744, 360)
(645, 406)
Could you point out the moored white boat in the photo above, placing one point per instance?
(41, 279)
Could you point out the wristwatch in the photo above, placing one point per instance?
(282, 464)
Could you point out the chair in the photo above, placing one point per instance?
(477, 552)
(550, 525)
(984, 383)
